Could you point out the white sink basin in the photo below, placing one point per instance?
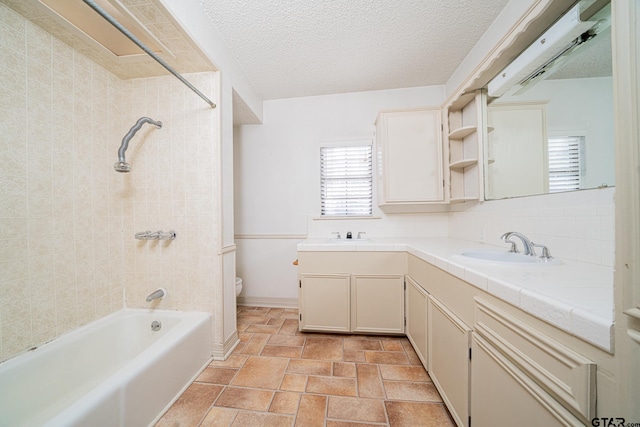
(507, 258)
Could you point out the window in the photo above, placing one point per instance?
(566, 164)
(346, 180)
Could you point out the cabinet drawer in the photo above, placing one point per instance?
(566, 375)
(503, 395)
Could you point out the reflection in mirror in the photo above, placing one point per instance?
(557, 134)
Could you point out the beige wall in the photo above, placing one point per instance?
(60, 247)
(172, 186)
(67, 252)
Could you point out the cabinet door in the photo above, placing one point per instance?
(518, 147)
(377, 303)
(449, 339)
(416, 303)
(502, 395)
(324, 302)
(411, 151)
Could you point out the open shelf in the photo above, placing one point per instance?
(461, 164)
(462, 132)
(466, 117)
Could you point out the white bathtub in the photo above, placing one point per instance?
(115, 371)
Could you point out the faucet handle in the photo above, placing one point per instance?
(513, 247)
(360, 233)
(546, 254)
(505, 238)
(337, 234)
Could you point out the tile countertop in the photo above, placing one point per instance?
(574, 296)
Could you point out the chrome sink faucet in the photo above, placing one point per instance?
(527, 245)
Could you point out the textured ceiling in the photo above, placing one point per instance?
(294, 48)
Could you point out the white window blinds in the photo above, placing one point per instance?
(346, 180)
(565, 163)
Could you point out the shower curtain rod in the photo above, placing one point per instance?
(149, 52)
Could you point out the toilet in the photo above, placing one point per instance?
(238, 285)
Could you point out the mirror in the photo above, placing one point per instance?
(555, 134)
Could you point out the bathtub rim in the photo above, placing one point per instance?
(82, 329)
(81, 333)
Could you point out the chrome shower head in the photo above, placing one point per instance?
(122, 165)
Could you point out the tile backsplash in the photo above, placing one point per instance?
(576, 225)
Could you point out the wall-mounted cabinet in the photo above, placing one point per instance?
(465, 129)
(410, 159)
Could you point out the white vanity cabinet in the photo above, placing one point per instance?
(361, 292)
(410, 159)
(492, 363)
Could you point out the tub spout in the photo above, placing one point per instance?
(157, 294)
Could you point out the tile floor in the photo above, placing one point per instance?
(278, 376)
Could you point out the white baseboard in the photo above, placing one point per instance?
(221, 352)
(268, 302)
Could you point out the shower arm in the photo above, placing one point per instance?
(125, 141)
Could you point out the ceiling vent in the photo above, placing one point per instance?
(83, 20)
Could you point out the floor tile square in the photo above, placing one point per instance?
(404, 373)
(311, 412)
(354, 409)
(245, 398)
(369, 381)
(412, 414)
(404, 390)
(219, 417)
(261, 372)
(294, 382)
(386, 357)
(215, 375)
